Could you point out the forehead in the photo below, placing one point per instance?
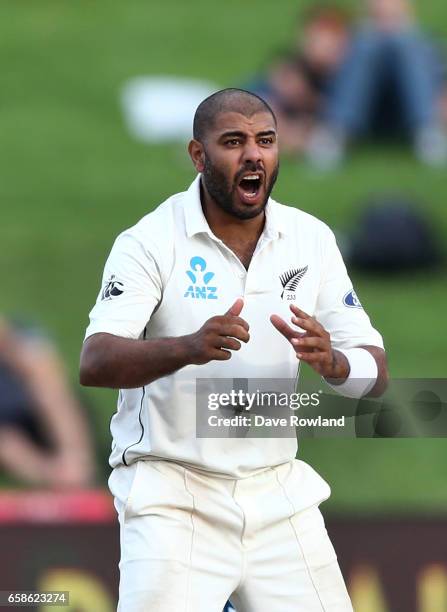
(237, 122)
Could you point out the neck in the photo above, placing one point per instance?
(227, 227)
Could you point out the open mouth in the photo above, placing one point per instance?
(250, 186)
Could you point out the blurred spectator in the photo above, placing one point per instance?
(322, 42)
(44, 439)
(389, 81)
(296, 81)
(286, 87)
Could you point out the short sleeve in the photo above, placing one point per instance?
(131, 290)
(338, 308)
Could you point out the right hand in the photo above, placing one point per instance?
(219, 336)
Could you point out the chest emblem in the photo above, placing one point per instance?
(290, 280)
(200, 279)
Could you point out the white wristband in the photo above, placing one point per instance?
(362, 375)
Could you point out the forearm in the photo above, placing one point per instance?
(122, 363)
(339, 369)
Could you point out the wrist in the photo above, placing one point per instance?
(363, 372)
(340, 368)
(184, 350)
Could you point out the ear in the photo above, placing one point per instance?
(197, 154)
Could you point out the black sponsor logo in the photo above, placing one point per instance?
(112, 289)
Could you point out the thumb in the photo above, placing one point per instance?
(235, 310)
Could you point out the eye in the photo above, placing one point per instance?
(232, 142)
(268, 140)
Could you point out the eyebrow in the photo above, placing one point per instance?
(267, 133)
(239, 134)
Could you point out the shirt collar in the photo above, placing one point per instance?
(196, 223)
(195, 220)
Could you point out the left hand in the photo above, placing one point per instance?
(314, 345)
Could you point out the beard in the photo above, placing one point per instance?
(224, 193)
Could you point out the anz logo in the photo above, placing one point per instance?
(200, 288)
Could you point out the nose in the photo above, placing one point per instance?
(252, 152)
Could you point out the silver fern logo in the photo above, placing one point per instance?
(291, 278)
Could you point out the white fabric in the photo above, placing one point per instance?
(163, 290)
(362, 375)
(190, 540)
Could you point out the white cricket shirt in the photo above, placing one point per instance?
(169, 274)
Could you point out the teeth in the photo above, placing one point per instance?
(251, 177)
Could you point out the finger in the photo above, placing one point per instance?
(235, 331)
(283, 327)
(221, 355)
(235, 310)
(240, 321)
(230, 343)
(231, 320)
(313, 342)
(298, 312)
(309, 324)
(315, 358)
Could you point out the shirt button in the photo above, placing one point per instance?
(241, 274)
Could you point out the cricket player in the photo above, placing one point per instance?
(221, 281)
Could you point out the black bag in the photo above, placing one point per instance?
(393, 236)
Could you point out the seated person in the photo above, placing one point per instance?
(389, 83)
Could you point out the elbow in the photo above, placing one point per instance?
(85, 378)
(97, 366)
(380, 386)
(384, 381)
(383, 378)
(89, 367)
(86, 375)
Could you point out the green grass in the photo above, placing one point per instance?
(71, 178)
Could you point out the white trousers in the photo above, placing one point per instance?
(190, 541)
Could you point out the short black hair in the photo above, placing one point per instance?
(226, 101)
